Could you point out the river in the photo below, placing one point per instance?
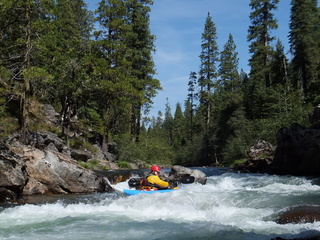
(230, 206)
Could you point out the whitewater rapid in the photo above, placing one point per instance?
(230, 206)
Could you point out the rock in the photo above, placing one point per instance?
(51, 115)
(51, 138)
(26, 170)
(297, 152)
(253, 166)
(56, 173)
(308, 238)
(81, 155)
(300, 214)
(260, 157)
(11, 171)
(260, 149)
(178, 172)
(6, 195)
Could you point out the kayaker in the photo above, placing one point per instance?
(153, 179)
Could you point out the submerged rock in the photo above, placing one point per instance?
(300, 214)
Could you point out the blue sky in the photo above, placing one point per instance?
(178, 26)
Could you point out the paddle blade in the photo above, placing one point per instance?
(187, 180)
(135, 182)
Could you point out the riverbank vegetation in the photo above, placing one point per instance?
(101, 81)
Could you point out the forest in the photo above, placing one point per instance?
(102, 80)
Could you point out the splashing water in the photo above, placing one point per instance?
(230, 206)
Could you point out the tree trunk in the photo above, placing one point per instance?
(25, 97)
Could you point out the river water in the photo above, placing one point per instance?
(230, 206)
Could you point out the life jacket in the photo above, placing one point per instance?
(155, 184)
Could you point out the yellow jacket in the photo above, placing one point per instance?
(153, 179)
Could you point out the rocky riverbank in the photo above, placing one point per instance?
(27, 170)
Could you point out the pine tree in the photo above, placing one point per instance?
(178, 133)
(263, 22)
(66, 45)
(190, 103)
(279, 66)
(168, 124)
(112, 77)
(229, 94)
(140, 44)
(208, 71)
(304, 45)
(229, 79)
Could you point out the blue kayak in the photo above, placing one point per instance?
(130, 192)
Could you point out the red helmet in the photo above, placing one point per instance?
(155, 169)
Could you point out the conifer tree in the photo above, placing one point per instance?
(111, 69)
(168, 124)
(229, 94)
(71, 32)
(208, 70)
(279, 66)
(191, 103)
(229, 79)
(304, 45)
(179, 138)
(262, 22)
(140, 45)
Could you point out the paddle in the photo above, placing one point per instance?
(135, 182)
(187, 180)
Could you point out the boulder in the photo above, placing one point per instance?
(52, 172)
(300, 214)
(297, 152)
(26, 170)
(81, 155)
(260, 149)
(178, 172)
(12, 171)
(253, 166)
(308, 238)
(260, 157)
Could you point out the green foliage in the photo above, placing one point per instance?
(84, 164)
(151, 150)
(304, 45)
(124, 165)
(90, 164)
(101, 85)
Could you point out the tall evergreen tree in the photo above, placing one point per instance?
(229, 79)
(66, 45)
(304, 44)
(140, 44)
(168, 124)
(208, 70)
(191, 102)
(178, 131)
(262, 22)
(229, 94)
(112, 76)
(279, 66)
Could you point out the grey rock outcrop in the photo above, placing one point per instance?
(260, 157)
(26, 170)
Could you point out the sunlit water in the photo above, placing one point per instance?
(230, 206)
